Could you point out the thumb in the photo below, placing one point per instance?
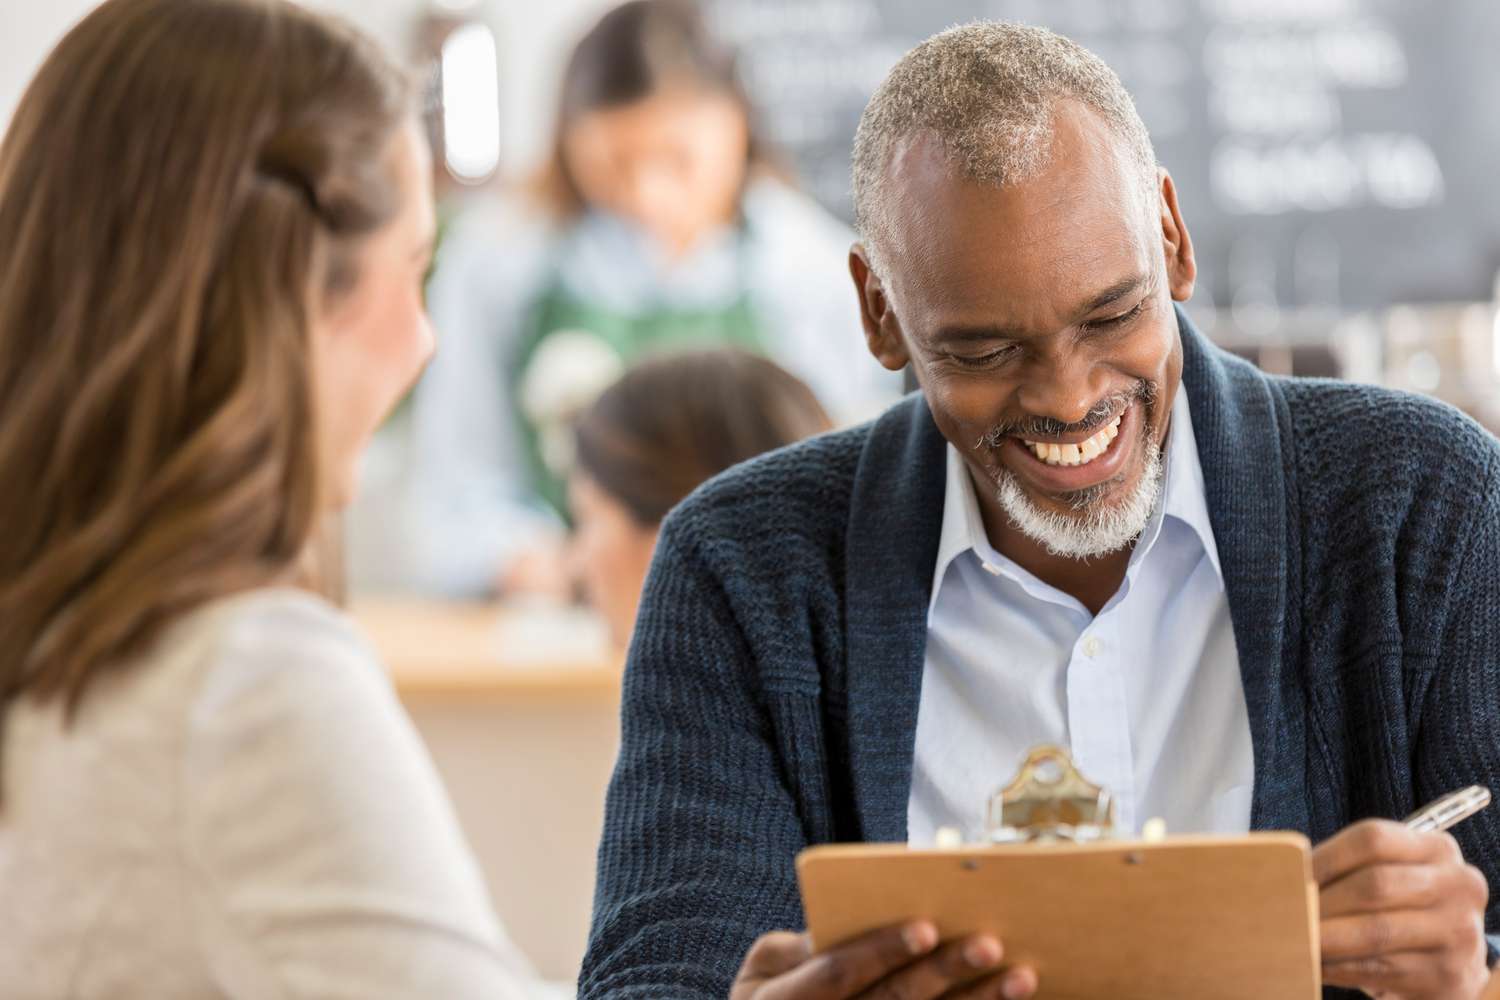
(775, 953)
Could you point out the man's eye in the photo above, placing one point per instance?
(1120, 320)
(983, 360)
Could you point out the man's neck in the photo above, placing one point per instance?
(1092, 583)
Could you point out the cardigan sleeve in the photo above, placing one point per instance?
(700, 830)
(1458, 740)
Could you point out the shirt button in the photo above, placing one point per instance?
(1091, 647)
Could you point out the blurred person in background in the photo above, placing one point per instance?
(652, 438)
(659, 221)
(217, 215)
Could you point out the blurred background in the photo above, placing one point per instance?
(679, 177)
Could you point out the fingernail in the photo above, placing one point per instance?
(981, 953)
(919, 938)
(1017, 986)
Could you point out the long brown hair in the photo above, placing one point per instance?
(634, 51)
(182, 185)
(677, 420)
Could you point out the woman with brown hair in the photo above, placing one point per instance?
(216, 217)
(653, 437)
(658, 222)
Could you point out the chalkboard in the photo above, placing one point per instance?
(1328, 153)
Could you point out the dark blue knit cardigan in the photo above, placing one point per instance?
(771, 694)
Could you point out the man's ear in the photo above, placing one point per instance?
(1176, 244)
(882, 329)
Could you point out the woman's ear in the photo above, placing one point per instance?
(882, 328)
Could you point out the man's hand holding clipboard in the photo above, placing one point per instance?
(904, 962)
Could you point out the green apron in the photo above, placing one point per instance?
(629, 336)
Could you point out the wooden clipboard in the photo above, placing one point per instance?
(1184, 918)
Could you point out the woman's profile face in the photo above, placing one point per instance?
(673, 162)
(610, 554)
(372, 341)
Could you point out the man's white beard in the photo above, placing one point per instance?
(1095, 528)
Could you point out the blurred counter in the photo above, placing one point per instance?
(440, 651)
(520, 710)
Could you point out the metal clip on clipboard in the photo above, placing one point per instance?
(1050, 800)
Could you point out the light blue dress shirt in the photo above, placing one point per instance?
(1147, 694)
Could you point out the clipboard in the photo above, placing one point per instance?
(1178, 918)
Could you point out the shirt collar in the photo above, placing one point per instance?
(1185, 501)
(1186, 495)
(963, 529)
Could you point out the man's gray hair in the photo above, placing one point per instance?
(986, 91)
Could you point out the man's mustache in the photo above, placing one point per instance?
(1099, 414)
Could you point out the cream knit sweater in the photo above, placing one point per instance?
(247, 812)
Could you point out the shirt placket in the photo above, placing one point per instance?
(1099, 714)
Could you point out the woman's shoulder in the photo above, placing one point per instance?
(294, 735)
(281, 654)
(278, 605)
(306, 790)
(228, 646)
(274, 625)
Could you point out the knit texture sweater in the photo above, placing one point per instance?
(772, 686)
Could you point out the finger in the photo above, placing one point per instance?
(986, 988)
(954, 964)
(1381, 887)
(1019, 983)
(1369, 935)
(1410, 973)
(1397, 971)
(1376, 841)
(850, 968)
(775, 953)
(1013, 984)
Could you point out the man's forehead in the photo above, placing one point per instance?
(1078, 146)
(1074, 227)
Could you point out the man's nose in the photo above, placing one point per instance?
(1062, 387)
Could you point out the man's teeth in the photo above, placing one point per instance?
(1077, 454)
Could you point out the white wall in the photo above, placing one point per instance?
(28, 30)
(533, 40)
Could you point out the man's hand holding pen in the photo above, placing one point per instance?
(1402, 913)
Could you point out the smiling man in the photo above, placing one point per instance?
(1244, 602)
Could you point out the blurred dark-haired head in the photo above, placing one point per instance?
(653, 124)
(667, 426)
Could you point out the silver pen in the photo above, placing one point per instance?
(1448, 810)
